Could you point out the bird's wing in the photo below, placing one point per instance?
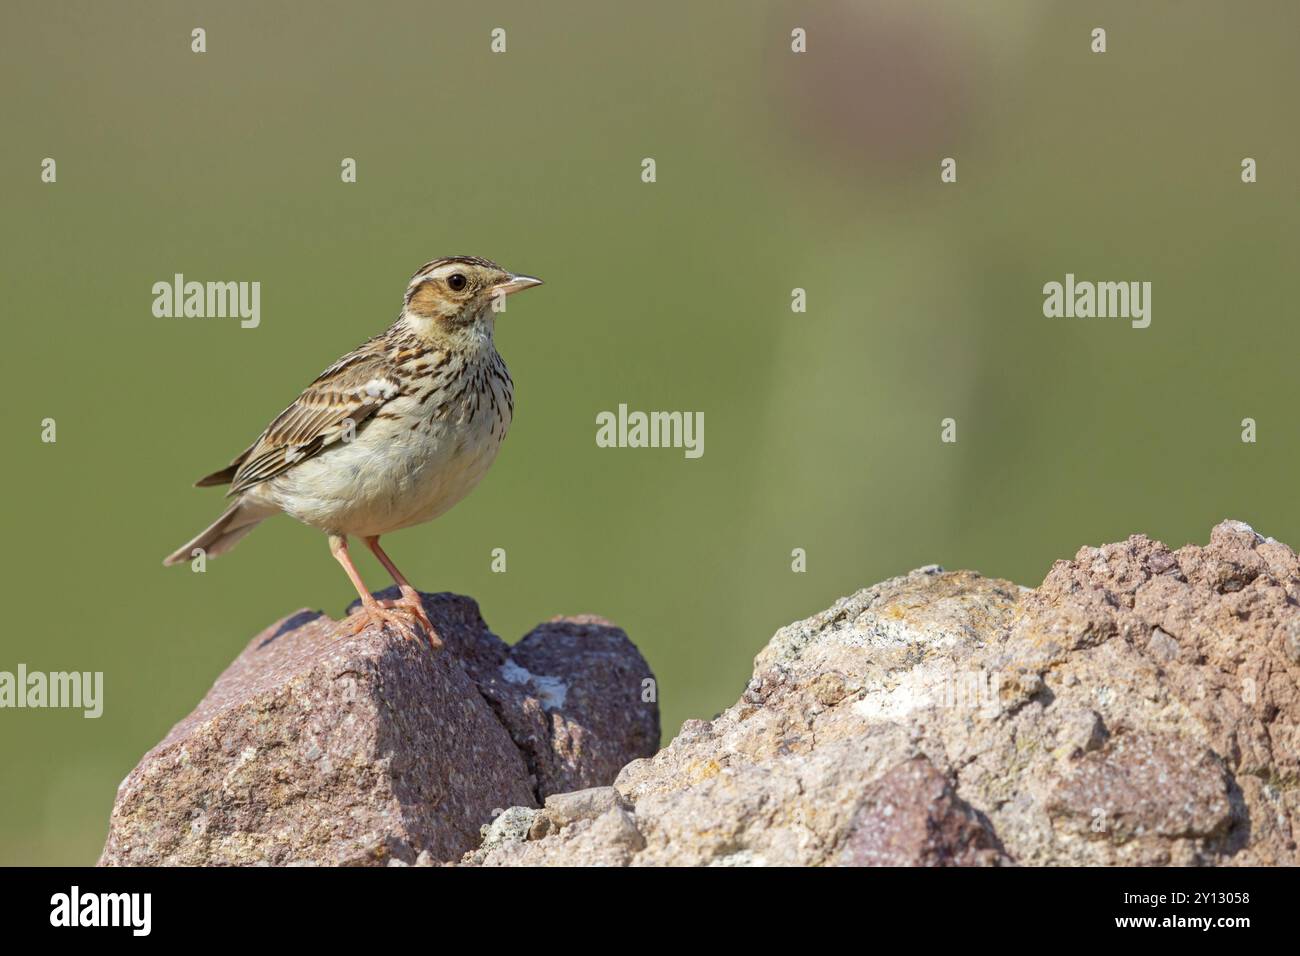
(352, 389)
(226, 475)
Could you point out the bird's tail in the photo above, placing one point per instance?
(219, 537)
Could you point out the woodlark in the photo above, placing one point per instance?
(391, 435)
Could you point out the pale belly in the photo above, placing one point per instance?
(391, 476)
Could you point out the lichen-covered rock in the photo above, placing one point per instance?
(598, 828)
(1140, 707)
(320, 747)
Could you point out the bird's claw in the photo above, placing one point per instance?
(399, 618)
(411, 598)
(410, 603)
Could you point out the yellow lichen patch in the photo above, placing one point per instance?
(699, 771)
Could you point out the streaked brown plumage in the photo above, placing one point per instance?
(392, 434)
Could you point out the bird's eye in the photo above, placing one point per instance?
(456, 281)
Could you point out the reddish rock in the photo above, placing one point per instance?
(578, 700)
(912, 817)
(1144, 785)
(319, 747)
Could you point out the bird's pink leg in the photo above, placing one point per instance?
(410, 597)
(371, 611)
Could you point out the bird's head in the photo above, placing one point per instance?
(454, 297)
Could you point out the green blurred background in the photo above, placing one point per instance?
(775, 170)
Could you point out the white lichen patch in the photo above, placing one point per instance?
(551, 691)
(914, 690)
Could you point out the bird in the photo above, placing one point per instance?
(393, 434)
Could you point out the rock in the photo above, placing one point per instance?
(1140, 707)
(912, 817)
(1143, 784)
(609, 839)
(571, 695)
(509, 828)
(561, 809)
(318, 747)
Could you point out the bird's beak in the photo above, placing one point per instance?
(515, 284)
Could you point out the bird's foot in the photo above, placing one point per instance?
(401, 620)
(410, 603)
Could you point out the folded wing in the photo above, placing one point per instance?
(350, 390)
